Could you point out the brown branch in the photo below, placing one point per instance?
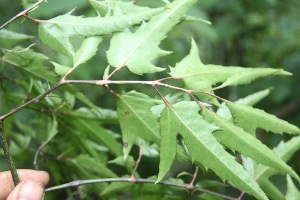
(137, 164)
(191, 186)
(23, 13)
(129, 180)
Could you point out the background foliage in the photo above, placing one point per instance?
(243, 33)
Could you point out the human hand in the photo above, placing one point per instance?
(31, 187)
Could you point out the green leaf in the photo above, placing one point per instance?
(52, 129)
(284, 151)
(224, 112)
(254, 98)
(96, 113)
(198, 76)
(237, 139)
(9, 37)
(53, 38)
(292, 192)
(137, 50)
(92, 26)
(136, 119)
(183, 119)
(56, 32)
(30, 61)
(100, 134)
(90, 165)
(87, 50)
(271, 190)
(60, 69)
(104, 7)
(250, 118)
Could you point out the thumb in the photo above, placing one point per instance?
(27, 190)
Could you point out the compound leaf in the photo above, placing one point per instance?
(137, 50)
(183, 119)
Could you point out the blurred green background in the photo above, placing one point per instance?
(263, 33)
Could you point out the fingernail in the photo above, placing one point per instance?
(31, 190)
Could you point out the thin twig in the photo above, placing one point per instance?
(37, 153)
(23, 13)
(137, 163)
(162, 97)
(11, 165)
(241, 195)
(138, 180)
(32, 101)
(191, 186)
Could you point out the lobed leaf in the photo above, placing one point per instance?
(250, 118)
(237, 139)
(137, 50)
(136, 119)
(183, 119)
(198, 76)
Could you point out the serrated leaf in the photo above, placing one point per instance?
(224, 112)
(285, 150)
(136, 119)
(250, 118)
(70, 25)
(30, 61)
(292, 192)
(137, 50)
(237, 139)
(87, 50)
(198, 76)
(60, 69)
(103, 7)
(183, 119)
(56, 32)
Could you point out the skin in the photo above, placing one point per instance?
(31, 187)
